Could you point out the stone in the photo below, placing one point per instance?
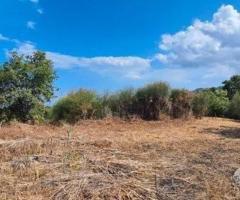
(236, 177)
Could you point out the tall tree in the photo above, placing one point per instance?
(26, 83)
(232, 86)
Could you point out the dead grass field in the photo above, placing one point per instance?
(112, 159)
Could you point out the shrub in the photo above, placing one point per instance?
(181, 103)
(122, 104)
(234, 108)
(200, 105)
(212, 102)
(83, 104)
(151, 100)
(218, 103)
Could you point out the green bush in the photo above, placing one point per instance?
(218, 103)
(181, 103)
(200, 104)
(83, 104)
(122, 104)
(151, 100)
(214, 103)
(234, 108)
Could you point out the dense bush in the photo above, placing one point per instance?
(218, 103)
(181, 103)
(200, 104)
(234, 108)
(151, 100)
(26, 83)
(212, 102)
(122, 104)
(83, 104)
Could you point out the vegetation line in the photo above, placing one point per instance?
(26, 84)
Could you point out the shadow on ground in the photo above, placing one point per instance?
(225, 131)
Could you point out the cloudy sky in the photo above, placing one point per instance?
(107, 45)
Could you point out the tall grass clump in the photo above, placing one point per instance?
(151, 100)
(181, 103)
(80, 105)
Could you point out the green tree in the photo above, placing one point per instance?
(232, 86)
(26, 83)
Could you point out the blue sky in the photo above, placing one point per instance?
(112, 44)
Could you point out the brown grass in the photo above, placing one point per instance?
(112, 159)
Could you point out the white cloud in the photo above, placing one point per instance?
(34, 1)
(212, 45)
(202, 55)
(2, 37)
(31, 25)
(40, 11)
(129, 67)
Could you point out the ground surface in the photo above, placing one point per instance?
(112, 159)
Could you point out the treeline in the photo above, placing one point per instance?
(26, 84)
(148, 103)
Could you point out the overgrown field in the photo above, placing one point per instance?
(113, 159)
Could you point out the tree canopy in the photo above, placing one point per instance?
(26, 83)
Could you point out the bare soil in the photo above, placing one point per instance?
(113, 159)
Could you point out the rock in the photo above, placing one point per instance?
(236, 177)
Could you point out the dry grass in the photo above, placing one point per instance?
(112, 159)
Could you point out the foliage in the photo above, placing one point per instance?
(213, 103)
(232, 86)
(200, 104)
(26, 83)
(218, 103)
(181, 103)
(122, 104)
(151, 100)
(83, 104)
(234, 108)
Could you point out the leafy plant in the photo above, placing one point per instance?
(83, 104)
(26, 83)
(152, 100)
(200, 105)
(122, 104)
